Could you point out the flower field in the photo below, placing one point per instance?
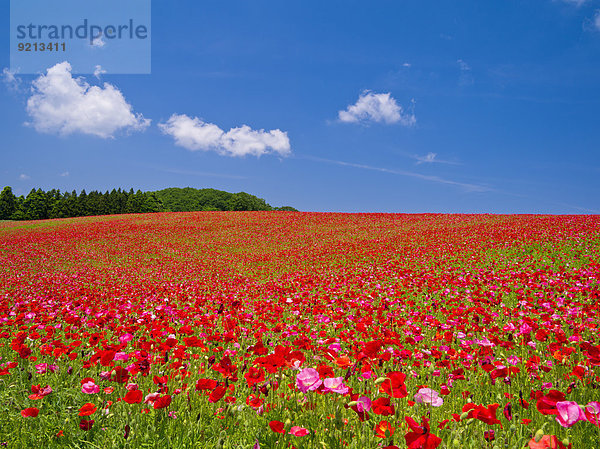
(280, 330)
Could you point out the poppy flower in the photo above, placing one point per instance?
(38, 392)
(206, 384)
(30, 412)
(382, 406)
(87, 409)
(298, 431)
(133, 396)
(335, 385)
(90, 388)
(162, 401)
(421, 436)
(546, 404)
(428, 396)
(277, 426)
(568, 413)
(363, 404)
(394, 384)
(254, 376)
(86, 424)
(308, 380)
(217, 394)
(592, 413)
(547, 442)
(507, 412)
(384, 429)
(482, 413)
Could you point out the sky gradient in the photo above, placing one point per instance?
(386, 106)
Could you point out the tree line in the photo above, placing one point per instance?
(39, 205)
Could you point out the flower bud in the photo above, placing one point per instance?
(352, 404)
(538, 435)
(463, 416)
(380, 380)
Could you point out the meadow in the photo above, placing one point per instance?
(300, 330)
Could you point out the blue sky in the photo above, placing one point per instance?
(383, 106)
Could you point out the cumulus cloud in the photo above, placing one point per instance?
(195, 134)
(65, 105)
(24, 177)
(597, 20)
(374, 107)
(64, 174)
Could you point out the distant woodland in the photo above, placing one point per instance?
(39, 205)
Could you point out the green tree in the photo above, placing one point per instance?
(151, 203)
(36, 205)
(8, 203)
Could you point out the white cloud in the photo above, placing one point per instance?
(65, 105)
(406, 64)
(376, 108)
(194, 134)
(430, 158)
(597, 20)
(63, 174)
(98, 42)
(10, 79)
(99, 71)
(24, 177)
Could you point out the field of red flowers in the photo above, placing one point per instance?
(280, 330)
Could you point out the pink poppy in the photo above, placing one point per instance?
(428, 396)
(335, 385)
(90, 388)
(569, 413)
(363, 404)
(298, 431)
(308, 380)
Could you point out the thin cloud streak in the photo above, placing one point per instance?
(437, 179)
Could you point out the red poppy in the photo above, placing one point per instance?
(86, 424)
(134, 397)
(254, 376)
(30, 412)
(508, 411)
(217, 394)
(159, 380)
(394, 384)
(87, 409)
(277, 426)
(421, 436)
(206, 384)
(384, 429)
(546, 404)
(162, 401)
(382, 406)
(482, 413)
